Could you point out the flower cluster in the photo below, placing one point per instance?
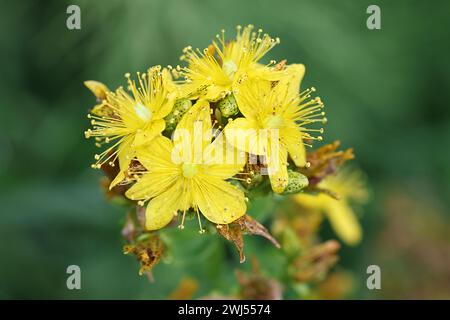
(195, 140)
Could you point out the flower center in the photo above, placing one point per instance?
(189, 170)
(274, 122)
(143, 112)
(230, 68)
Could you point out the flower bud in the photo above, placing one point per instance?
(179, 109)
(297, 182)
(228, 106)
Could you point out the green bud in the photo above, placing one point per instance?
(228, 106)
(179, 109)
(296, 183)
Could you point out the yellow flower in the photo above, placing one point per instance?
(348, 185)
(195, 181)
(214, 72)
(129, 121)
(275, 123)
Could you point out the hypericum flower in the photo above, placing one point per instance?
(171, 185)
(214, 72)
(130, 121)
(275, 123)
(348, 185)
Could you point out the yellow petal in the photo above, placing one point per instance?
(298, 153)
(171, 93)
(151, 185)
(344, 221)
(165, 107)
(277, 168)
(194, 133)
(261, 71)
(161, 209)
(119, 178)
(168, 81)
(125, 153)
(217, 92)
(157, 156)
(250, 96)
(294, 75)
(145, 136)
(219, 201)
(244, 135)
(162, 172)
(97, 88)
(200, 112)
(193, 90)
(291, 138)
(221, 159)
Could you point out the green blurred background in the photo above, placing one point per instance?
(386, 94)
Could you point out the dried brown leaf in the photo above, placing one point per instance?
(245, 225)
(250, 226)
(232, 232)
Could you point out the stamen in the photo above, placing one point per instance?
(201, 231)
(181, 226)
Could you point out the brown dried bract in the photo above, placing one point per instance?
(147, 251)
(249, 225)
(232, 232)
(325, 161)
(245, 225)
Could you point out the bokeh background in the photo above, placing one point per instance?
(386, 94)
